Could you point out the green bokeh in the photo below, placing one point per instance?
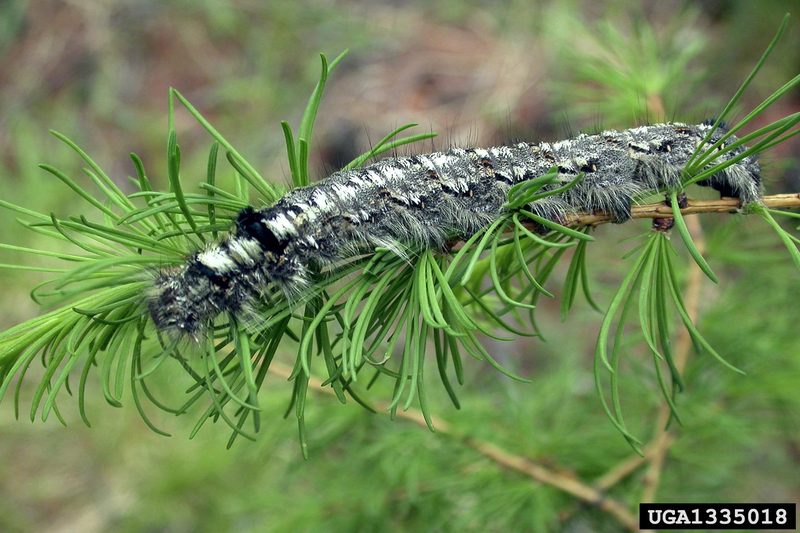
(99, 72)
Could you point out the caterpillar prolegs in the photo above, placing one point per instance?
(427, 201)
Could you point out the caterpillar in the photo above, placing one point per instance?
(427, 201)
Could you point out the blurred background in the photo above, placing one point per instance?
(477, 73)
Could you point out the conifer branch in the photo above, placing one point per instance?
(510, 461)
(694, 207)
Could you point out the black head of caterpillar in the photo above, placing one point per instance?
(425, 200)
(223, 278)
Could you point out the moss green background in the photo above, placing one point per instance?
(478, 73)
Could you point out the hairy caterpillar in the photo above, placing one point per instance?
(425, 201)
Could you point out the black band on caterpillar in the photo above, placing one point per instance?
(426, 201)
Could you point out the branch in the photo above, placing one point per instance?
(510, 461)
(659, 210)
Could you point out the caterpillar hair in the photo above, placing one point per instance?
(426, 201)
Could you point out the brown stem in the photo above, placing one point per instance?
(659, 210)
(623, 469)
(510, 461)
(620, 471)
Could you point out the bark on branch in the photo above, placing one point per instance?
(660, 210)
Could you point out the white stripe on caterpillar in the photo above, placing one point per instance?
(217, 261)
(427, 201)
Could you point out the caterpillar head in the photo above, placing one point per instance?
(186, 300)
(227, 277)
(178, 303)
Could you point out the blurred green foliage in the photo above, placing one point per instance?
(100, 73)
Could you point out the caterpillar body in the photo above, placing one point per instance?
(426, 201)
